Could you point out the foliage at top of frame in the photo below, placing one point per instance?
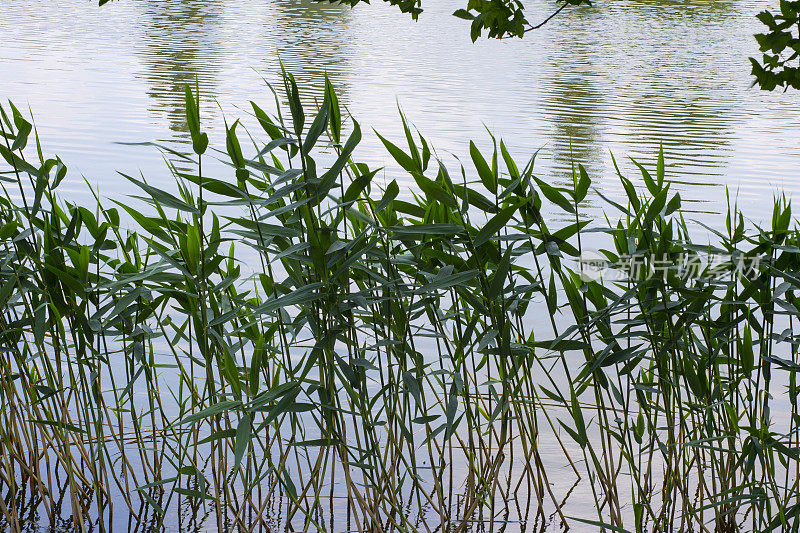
(781, 48)
(497, 18)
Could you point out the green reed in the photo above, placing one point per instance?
(299, 334)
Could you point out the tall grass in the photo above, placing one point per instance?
(296, 344)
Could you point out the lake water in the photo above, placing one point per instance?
(621, 77)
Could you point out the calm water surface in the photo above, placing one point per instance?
(621, 77)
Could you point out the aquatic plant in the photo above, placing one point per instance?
(297, 344)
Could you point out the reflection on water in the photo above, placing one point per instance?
(575, 106)
(623, 76)
(179, 45)
(313, 38)
(186, 40)
(629, 77)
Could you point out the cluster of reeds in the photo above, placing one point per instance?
(297, 344)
